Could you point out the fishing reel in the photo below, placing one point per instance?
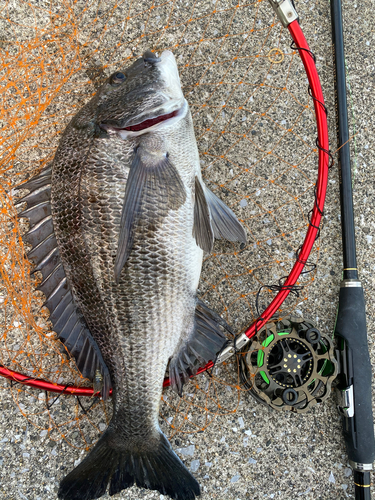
(290, 365)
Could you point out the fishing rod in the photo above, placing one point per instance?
(355, 366)
(265, 368)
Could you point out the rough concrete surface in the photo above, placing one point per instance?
(253, 453)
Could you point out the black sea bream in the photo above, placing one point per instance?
(118, 226)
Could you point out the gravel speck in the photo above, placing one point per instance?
(194, 465)
(331, 478)
(304, 492)
(188, 451)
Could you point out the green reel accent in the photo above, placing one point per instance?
(264, 377)
(291, 365)
(260, 358)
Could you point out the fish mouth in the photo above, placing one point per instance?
(150, 124)
(151, 121)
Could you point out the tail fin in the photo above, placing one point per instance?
(153, 465)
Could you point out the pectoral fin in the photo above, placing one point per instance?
(213, 218)
(153, 185)
(202, 229)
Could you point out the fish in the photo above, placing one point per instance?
(119, 223)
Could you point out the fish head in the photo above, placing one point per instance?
(143, 98)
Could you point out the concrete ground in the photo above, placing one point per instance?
(252, 452)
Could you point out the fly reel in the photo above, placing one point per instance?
(289, 365)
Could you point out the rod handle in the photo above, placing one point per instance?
(355, 376)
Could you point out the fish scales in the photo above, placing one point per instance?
(131, 217)
(144, 313)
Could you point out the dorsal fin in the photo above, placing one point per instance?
(67, 320)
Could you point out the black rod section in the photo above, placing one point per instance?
(363, 479)
(346, 195)
(355, 375)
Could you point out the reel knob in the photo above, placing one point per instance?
(290, 397)
(313, 336)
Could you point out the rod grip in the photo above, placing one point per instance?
(356, 372)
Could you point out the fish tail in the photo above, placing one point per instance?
(90, 478)
(153, 465)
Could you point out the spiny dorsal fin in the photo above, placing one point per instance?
(67, 320)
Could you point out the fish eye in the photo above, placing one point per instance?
(117, 78)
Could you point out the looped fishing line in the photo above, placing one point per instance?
(85, 410)
(294, 47)
(327, 151)
(323, 106)
(49, 406)
(293, 289)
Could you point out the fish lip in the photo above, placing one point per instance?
(178, 108)
(164, 109)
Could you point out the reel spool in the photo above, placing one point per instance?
(290, 365)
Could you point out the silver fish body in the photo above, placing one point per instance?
(131, 217)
